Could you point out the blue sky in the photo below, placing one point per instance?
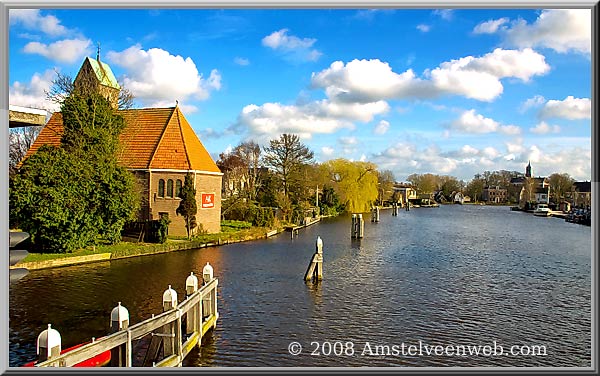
(453, 92)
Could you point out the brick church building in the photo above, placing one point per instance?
(159, 147)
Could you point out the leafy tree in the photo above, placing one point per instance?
(424, 183)
(449, 185)
(188, 206)
(82, 195)
(475, 188)
(49, 199)
(560, 184)
(285, 156)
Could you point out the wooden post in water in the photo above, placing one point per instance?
(119, 320)
(191, 286)
(360, 228)
(48, 344)
(169, 330)
(207, 276)
(353, 226)
(315, 268)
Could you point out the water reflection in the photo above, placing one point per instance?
(449, 275)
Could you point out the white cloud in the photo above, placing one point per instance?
(562, 30)
(489, 27)
(405, 158)
(275, 118)
(570, 108)
(423, 28)
(382, 127)
(241, 61)
(291, 46)
(63, 51)
(535, 101)
(156, 75)
(515, 147)
(33, 94)
(544, 128)
(348, 140)
(509, 129)
(33, 20)
(468, 150)
(327, 151)
(490, 152)
(472, 77)
(445, 14)
(473, 123)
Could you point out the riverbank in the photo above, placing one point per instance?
(35, 261)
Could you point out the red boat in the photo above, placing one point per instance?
(99, 360)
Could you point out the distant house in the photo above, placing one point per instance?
(494, 194)
(458, 198)
(582, 193)
(405, 192)
(159, 147)
(542, 195)
(537, 193)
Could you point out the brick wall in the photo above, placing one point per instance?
(210, 219)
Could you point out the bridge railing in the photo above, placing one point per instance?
(200, 308)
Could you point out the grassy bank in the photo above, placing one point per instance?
(231, 232)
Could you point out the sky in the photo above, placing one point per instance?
(443, 91)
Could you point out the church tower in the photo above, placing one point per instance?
(96, 75)
(528, 170)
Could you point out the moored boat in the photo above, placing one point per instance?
(99, 360)
(542, 210)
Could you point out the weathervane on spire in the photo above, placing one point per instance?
(98, 52)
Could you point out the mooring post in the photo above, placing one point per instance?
(315, 267)
(376, 213)
(207, 276)
(360, 227)
(319, 254)
(48, 344)
(119, 320)
(353, 226)
(169, 330)
(191, 286)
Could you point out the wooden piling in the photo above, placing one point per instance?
(119, 320)
(315, 267)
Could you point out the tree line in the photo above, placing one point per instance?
(561, 184)
(284, 175)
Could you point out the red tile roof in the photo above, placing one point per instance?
(154, 138)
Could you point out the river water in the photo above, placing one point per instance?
(449, 276)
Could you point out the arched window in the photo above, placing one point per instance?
(161, 188)
(177, 188)
(169, 188)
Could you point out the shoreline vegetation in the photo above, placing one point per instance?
(121, 250)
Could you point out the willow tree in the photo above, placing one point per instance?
(355, 182)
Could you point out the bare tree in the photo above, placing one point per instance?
(20, 140)
(285, 156)
(249, 153)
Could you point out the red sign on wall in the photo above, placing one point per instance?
(208, 200)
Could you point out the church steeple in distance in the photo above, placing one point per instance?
(528, 170)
